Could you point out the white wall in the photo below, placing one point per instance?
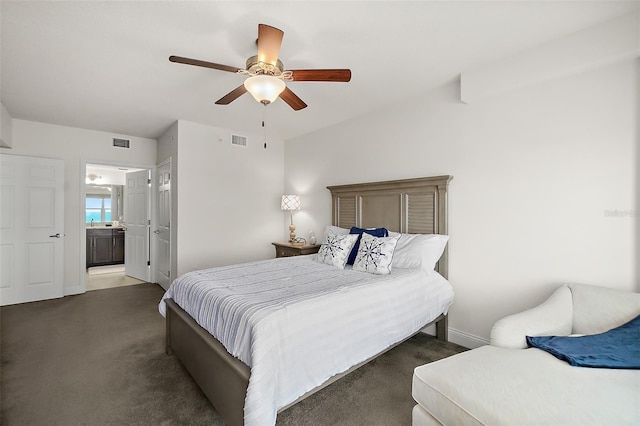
(229, 196)
(596, 46)
(535, 171)
(74, 146)
(6, 128)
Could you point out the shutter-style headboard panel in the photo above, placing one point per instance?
(414, 206)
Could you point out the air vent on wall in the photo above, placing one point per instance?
(239, 140)
(121, 143)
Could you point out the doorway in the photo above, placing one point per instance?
(101, 277)
(107, 209)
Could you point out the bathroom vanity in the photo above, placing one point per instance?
(105, 246)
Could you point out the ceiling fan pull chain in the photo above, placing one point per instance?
(264, 127)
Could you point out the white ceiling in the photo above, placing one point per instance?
(104, 65)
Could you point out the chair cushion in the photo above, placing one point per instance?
(492, 385)
(420, 417)
(598, 309)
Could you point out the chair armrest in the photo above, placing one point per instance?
(554, 316)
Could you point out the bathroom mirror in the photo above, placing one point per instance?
(104, 203)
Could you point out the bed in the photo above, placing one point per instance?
(301, 343)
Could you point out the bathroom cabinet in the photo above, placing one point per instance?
(105, 246)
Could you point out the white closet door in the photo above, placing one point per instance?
(31, 229)
(163, 233)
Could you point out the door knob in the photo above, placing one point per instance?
(55, 236)
(157, 231)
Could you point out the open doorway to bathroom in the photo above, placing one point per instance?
(105, 203)
(101, 277)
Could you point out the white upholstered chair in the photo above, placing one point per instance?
(506, 383)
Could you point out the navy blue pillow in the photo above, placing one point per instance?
(377, 232)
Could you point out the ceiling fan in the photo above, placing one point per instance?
(267, 76)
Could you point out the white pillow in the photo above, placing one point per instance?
(335, 249)
(419, 251)
(333, 230)
(375, 254)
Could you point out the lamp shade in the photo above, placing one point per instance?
(290, 202)
(264, 88)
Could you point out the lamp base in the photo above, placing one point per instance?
(296, 243)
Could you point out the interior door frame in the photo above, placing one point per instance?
(83, 227)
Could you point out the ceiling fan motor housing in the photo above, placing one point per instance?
(256, 67)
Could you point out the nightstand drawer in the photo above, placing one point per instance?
(286, 249)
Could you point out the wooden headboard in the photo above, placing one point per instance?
(414, 206)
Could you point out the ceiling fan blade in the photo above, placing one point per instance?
(199, 63)
(292, 99)
(269, 41)
(232, 95)
(338, 75)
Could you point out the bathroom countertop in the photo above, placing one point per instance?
(104, 227)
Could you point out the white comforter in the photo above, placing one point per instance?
(296, 322)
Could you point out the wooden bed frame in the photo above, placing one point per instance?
(417, 206)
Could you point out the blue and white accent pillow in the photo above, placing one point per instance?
(375, 254)
(335, 249)
(376, 232)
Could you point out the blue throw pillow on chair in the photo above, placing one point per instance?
(376, 232)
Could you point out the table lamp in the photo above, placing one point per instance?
(291, 203)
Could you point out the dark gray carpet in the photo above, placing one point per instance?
(98, 359)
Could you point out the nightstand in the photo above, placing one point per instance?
(286, 249)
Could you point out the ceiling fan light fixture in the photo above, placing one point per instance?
(266, 76)
(264, 88)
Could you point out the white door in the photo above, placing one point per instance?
(31, 229)
(136, 218)
(163, 231)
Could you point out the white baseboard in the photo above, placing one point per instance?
(465, 339)
(459, 337)
(70, 291)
